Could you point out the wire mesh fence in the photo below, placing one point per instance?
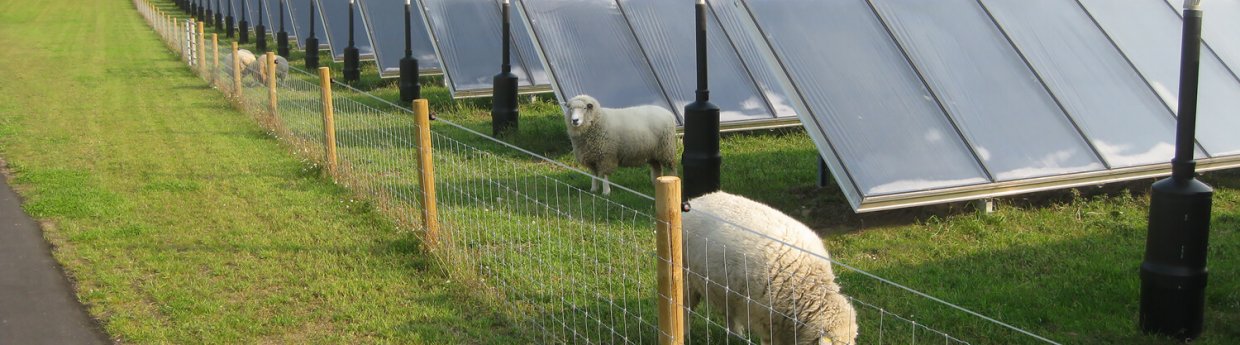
(524, 233)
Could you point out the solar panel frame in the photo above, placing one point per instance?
(470, 79)
(388, 56)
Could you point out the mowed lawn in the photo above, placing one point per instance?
(180, 220)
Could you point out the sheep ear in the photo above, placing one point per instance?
(589, 106)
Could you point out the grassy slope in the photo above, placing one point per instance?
(181, 220)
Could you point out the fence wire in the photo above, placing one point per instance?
(524, 233)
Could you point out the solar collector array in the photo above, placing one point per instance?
(299, 11)
(914, 102)
(467, 36)
(386, 22)
(640, 52)
(335, 14)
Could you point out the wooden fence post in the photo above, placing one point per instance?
(236, 74)
(671, 257)
(201, 49)
(329, 121)
(271, 86)
(215, 58)
(426, 172)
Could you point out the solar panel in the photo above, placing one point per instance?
(1220, 29)
(335, 15)
(913, 103)
(641, 52)
(299, 10)
(272, 10)
(1148, 32)
(386, 20)
(1092, 79)
(467, 37)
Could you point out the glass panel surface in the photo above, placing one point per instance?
(336, 20)
(1220, 28)
(300, 12)
(273, 12)
(571, 33)
(1092, 80)
(1148, 32)
(880, 119)
(386, 20)
(469, 34)
(1014, 125)
(728, 14)
(666, 30)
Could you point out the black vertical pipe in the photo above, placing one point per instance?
(282, 36)
(312, 43)
(228, 21)
(352, 57)
(193, 9)
(243, 25)
(504, 111)
(1174, 274)
(260, 31)
(409, 87)
(701, 158)
(219, 16)
(209, 19)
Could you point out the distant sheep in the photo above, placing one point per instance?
(792, 294)
(604, 139)
(258, 69)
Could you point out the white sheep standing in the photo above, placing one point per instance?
(786, 295)
(258, 69)
(605, 139)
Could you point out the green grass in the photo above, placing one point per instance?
(184, 223)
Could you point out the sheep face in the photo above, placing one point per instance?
(582, 112)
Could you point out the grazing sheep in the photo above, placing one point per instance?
(226, 61)
(787, 296)
(257, 69)
(604, 139)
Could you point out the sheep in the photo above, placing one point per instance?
(226, 61)
(784, 293)
(258, 69)
(604, 139)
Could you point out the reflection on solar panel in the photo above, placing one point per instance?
(386, 20)
(467, 37)
(335, 15)
(913, 102)
(299, 10)
(641, 52)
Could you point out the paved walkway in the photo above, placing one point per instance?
(37, 305)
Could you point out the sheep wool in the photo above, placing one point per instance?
(226, 61)
(604, 139)
(255, 69)
(773, 283)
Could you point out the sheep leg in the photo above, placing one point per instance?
(606, 186)
(593, 184)
(656, 170)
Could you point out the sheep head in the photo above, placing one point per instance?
(582, 112)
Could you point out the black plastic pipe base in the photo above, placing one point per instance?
(701, 159)
(409, 87)
(352, 64)
(207, 20)
(228, 23)
(219, 22)
(504, 111)
(244, 28)
(282, 43)
(1173, 275)
(312, 53)
(260, 39)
